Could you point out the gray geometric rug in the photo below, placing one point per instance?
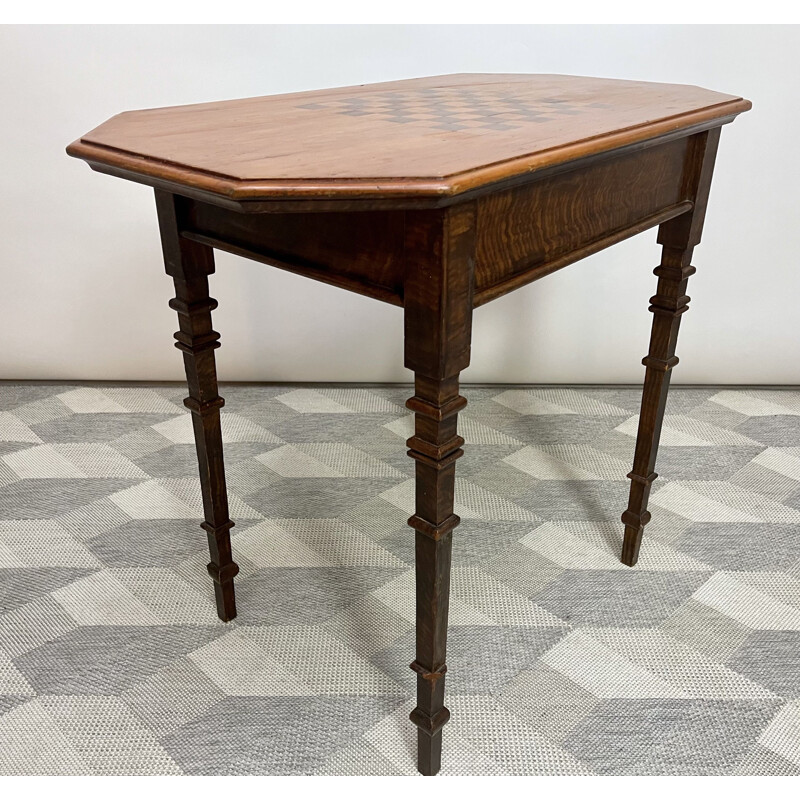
(560, 659)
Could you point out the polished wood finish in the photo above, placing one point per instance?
(523, 231)
(427, 137)
(437, 195)
(361, 252)
(678, 238)
(190, 264)
(440, 261)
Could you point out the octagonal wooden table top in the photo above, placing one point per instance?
(428, 136)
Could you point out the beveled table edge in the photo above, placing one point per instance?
(162, 173)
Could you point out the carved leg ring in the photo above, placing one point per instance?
(678, 237)
(190, 264)
(435, 446)
(197, 340)
(667, 305)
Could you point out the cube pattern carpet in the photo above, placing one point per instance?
(561, 660)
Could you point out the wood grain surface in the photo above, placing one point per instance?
(437, 194)
(521, 233)
(440, 248)
(428, 136)
(528, 231)
(190, 264)
(678, 237)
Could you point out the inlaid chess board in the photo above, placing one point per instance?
(437, 194)
(457, 108)
(427, 136)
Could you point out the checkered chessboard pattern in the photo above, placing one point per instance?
(561, 660)
(457, 108)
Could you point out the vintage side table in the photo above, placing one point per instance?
(438, 195)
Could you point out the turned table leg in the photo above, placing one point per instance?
(190, 264)
(678, 238)
(439, 248)
(435, 446)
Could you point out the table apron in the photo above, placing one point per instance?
(521, 233)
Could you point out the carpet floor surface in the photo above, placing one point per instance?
(561, 661)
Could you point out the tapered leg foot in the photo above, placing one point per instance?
(667, 306)
(226, 600)
(190, 264)
(631, 543)
(222, 569)
(637, 515)
(678, 237)
(439, 250)
(429, 753)
(435, 447)
(197, 340)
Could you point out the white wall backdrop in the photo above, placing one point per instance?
(83, 286)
